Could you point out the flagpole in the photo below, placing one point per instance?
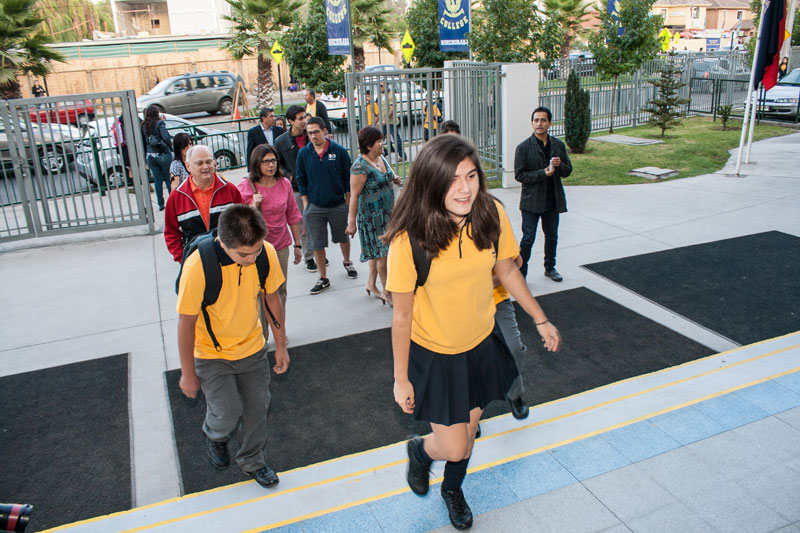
(751, 92)
(752, 127)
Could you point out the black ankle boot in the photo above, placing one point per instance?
(418, 471)
(457, 508)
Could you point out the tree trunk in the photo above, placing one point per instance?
(564, 60)
(613, 104)
(266, 89)
(360, 59)
(11, 90)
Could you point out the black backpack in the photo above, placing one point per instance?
(213, 273)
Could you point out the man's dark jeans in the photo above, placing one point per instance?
(530, 223)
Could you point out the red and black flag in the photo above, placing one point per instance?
(773, 31)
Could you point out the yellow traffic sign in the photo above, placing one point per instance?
(676, 38)
(407, 44)
(276, 52)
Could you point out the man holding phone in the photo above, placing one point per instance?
(540, 162)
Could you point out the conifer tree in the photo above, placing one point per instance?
(665, 107)
(577, 115)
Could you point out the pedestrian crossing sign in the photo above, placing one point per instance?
(276, 52)
(407, 44)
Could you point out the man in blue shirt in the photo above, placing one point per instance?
(323, 178)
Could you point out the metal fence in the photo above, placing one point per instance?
(48, 152)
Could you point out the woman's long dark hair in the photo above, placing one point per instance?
(255, 162)
(179, 142)
(151, 117)
(420, 209)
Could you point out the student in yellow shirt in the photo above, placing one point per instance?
(450, 359)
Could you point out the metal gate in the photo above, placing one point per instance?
(62, 172)
(413, 103)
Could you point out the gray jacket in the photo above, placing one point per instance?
(530, 163)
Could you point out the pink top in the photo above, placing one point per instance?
(278, 207)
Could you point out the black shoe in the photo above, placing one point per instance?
(321, 285)
(265, 477)
(218, 453)
(311, 265)
(457, 508)
(553, 274)
(418, 472)
(351, 270)
(519, 408)
(478, 432)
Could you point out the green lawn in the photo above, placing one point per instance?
(697, 147)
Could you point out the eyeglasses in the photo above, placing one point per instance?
(314, 132)
(269, 161)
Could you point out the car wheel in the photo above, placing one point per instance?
(115, 178)
(225, 159)
(52, 160)
(225, 106)
(83, 120)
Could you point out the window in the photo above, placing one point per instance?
(155, 23)
(695, 12)
(664, 14)
(739, 14)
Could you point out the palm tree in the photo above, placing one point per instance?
(23, 46)
(257, 23)
(569, 14)
(370, 24)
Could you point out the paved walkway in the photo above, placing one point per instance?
(710, 445)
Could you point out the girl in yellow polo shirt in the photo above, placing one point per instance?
(450, 359)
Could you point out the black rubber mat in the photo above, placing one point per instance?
(337, 398)
(65, 441)
(746, 289)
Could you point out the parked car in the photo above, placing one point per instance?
(51, 145)
(211, 92)
(225, 146)
(782, 99)
(77, 112)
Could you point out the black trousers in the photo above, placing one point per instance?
(530, 223)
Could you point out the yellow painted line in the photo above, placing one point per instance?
(524, 454)
(375, 469)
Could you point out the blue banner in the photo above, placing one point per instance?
(453, 25)
(613, 10)
(712, 43)
(337, 21)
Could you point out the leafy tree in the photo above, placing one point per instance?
(23, 45)
(74, 20)
(256, 25)
(569, 15)
(306, 50)
(514, 31)
(577, 115)
(623, 41)
(665, 107)
(370, 24)
(423, 25)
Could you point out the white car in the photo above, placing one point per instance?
(782, 99)
(225, 145)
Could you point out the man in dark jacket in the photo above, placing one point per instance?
(317, 109)
(539, 164)
(264, 133)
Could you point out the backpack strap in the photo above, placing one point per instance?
(213, 276)
(422, 262)
(262, 264)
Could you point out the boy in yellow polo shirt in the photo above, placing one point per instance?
(231, 366)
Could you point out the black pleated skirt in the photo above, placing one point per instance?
(447, 387)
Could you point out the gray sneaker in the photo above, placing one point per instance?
(321, 285)
(351, 271)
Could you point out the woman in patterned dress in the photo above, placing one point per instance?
(371, 201)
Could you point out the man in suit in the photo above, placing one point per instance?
(317, 109)
(264, 133)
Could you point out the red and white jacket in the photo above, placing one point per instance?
(182, 220)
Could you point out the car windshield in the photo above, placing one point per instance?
(159, 88)
(793, 78)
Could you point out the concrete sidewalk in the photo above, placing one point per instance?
(89, 299)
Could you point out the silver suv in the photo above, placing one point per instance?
(192, 93)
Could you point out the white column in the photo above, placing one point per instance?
(519, 96)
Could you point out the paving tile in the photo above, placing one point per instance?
(790, 381)
(629, 492)
(770, 396)
(589, 457)
(790, 528)
(408, 512)
(641, 440)
(731, 411)
(793, 464)
(680, 472)
(485, 492)
(512, 518)
(729, 507)
(732, 455)
(572, 508)
(687, 425)
(534, 475)
(778, 488)
(291, 528)
(669, 519)
(358, 518)
(619, 528)
(791, 417)
(772, 437)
